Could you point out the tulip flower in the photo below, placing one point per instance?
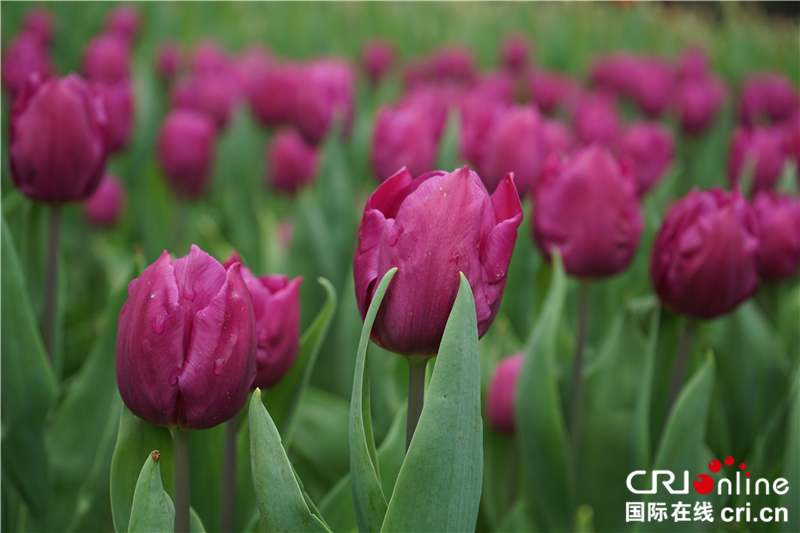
(764, 147)
(124, 21)
(704, 257)
(595, 119)
(167, 60)
(57, 139)
(769, 95)
(502, 391)
(557, 137)
(291, 161)
(586, 207)
(403, 137)
(118, 100)
(26, 55)
(276, 302)
(615, 72)
(324, 91)
(274, 94)
(39, 23)
(212, 94)
(186, 150)
(104, 207)
(653, 86)
(377, 57)
(477, 117)
(432, 228)
(779, 229)
(454, 64)
(249, 67)
(209, 58)
(649, 146)
(514, 53)
(697, 101)
(791, 138)
(186, 342)
(550, 90)
(693, 64)
(107, 59)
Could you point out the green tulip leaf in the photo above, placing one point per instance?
(540, 424)
(283, 399)
(135, 439)
(280, 498)
(791, 468)
(439, 485)
(152, 510)
(27, 387)
(368, 497)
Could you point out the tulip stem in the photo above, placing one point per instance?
(228, 503)
(679, 368)
(50, 303)
(416, 394)
(576, 392)
(181, 442)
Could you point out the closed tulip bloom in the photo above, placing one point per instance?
(402, 138)
(432, 228)
(276, 302)
(209, 58)
(453, 64)
(104, 207)
(124, 21)
(212, 94)
(771, 96)
(274, 94)
(764, 147)
(39, 22)
(791, 138)
(515, 144)
(377, 56)
(291, 161)
(186, 150)
(595, 119)
(167, 60)
(186, 342)
(550, 90)
(477, 117)
(697, 101)
(704, 256)
(250, 66)
(57, 139)
(501, 394)
(325, 90)
(586, 208)
(106, 59)
(653, 87)
(118, 99)
(26, 55)
(615, 72)
(514, 53)
(649, 146)
(779, 231)
(693, 63)
(558, 138)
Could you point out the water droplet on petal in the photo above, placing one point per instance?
(173, 378)
(218, 364)
(152, 296)
(396, 236)
(159, 322)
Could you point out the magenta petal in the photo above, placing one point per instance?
(278, 332)
(221, 351)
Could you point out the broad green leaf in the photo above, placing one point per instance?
(152, 510)
(136, 439)
(27, 387)
(541, 428)
(791, 468)
(283, 399)
(368, 497)
(205, 464)
(439, 485)
(280, 498)
(195, 523)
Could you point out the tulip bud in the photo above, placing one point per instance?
(167, 60)
(791, 139)
(274, 94)
(704, 256)
(250, 66)
(779, 232)
(767, 95)
(454, 64)
(118, 99)
(649, 146)
(697, 101)
(550, 90)
(186, 342)
(514, 143)
(595, 119)
(432, 228)
(39, 23)
(325, 90)
(477, 117)
(377, 57)
(693, 63)
(402, 138)
(104, 207)
(26, 55)
(106, 59)
(209, 58)
(557, 137)
(615, 72)
(124, 21)
(514, 53)
(186, 150)
(292, 162)
(764, 147)
(652, 89)
(57, 139)
(501, 394)
(212, 94)
(586, 208)
(276, 302)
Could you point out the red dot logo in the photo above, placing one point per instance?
(742, 466)
(703, 484)
(714, 466)
(729, 460)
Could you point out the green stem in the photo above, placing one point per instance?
(50, 303)
(679, 368)
(228, 503)
(576, 391)
(181, 443)
(416, 394)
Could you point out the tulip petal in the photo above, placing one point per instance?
(278, 326)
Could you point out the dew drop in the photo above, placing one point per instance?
(159, 322)
(218, 364)
(152, 296)
(393, 239)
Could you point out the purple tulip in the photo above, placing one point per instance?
(493, 86)
(324, 91)
(118, 99)
(274, 94)
(104, 207)
(292, 162)
(477, 117)
(595, 119)
(586, 208)
(377, 56)
(615, 72)
(276, 302)
(791, 138)
(649, 146)
(106, 59)
(209, 58)
(550, 90)
(167, 60)
(454, 64)
(249, 68)
(779, 232)
(212, 94)
(39, 22)
(432, 228)
(432, 102)
(186, 150)
(697, 101)
(693, 63)
(652, 89)
(402, 138)
(57, 139)
(515, 143)
(25, 56)
(557, 137)
(768, 95)
(514, 53)
(124, 21)
(501, 394)
(186, 342)
(704, 256)
(764, 147)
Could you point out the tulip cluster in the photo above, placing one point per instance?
(28, 52)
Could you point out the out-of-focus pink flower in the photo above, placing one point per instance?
(551, 90)
(402, 138)
(291, 161)
(791, 138)
(501, 394)
(325, 91)
(104, 207)
(697, 101)
(558, 138)
(274, 93)
(595, 119)
(186, 150)
(762, 145)
(769, 95)
(615, 72)
(124, 21)
(168, 60)
(377, 56)
(118, 98)
(454, 63)
(514, 53)
(250, 66)
(779, 229)
(39, 22)
(650, 147)
(209, 58)
(107, 59)
(693, 63)
(477, 117)
(26, 55)
(212, 94)
(653, 87)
